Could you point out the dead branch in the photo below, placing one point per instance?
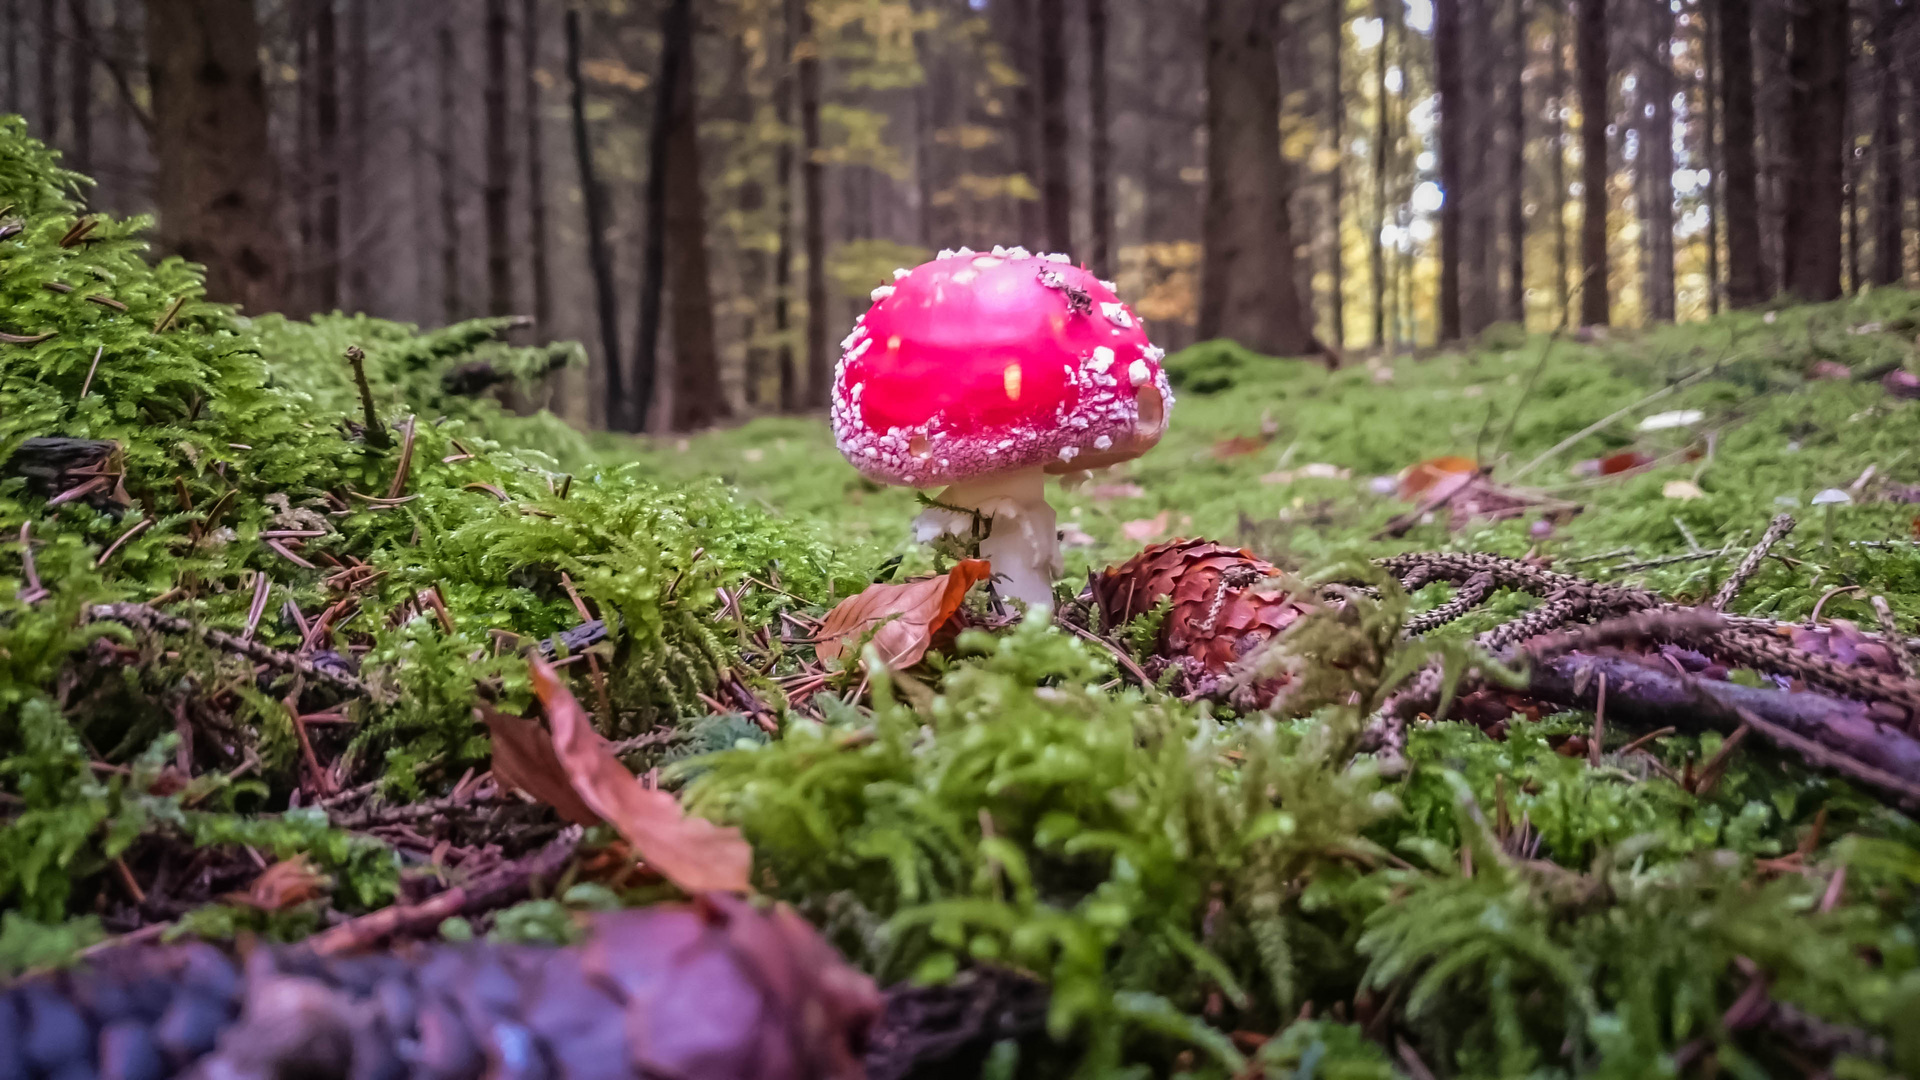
(142, 617)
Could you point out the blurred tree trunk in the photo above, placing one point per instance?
(1453, 123)
(698, 400)
(1056, 182)
(325, 258)
(448, 160)
(1100, 142)
(16, 102)
(593, 199)
(1772, 107)
(1382, 139)
(1746, 265)
(1017, 32)
(1336, 126)
(1557, 172)
(49, 70)
(1710, 145)
(1516, 297)
(1889, 202)
(359, 188)
(536, 152)
(499, 163)
(653, 252)
(1247, 291)
(1656, 151)
(80, 88)
(813, 198)
(783, 210)
(1479, 191)
(217, 190)
(1816, 182)
(1590, 49)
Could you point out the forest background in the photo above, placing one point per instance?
(705, 192)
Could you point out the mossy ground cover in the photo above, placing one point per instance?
(1207, 894)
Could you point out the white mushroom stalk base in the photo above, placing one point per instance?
(1023, 544)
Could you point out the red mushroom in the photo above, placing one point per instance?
(985, 372)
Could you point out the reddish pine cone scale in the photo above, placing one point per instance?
(982, 363)
(1223, 609)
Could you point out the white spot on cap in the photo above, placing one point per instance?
(858, 333)
(945, 253)
(1137, 373)
(881, 293)
(1056, 257)
(1068, 453)
(1019, 253)
(1116, 314)
(1109, 286)
(1102, 358)
(1102, 443)
(900, 272)
(1154, 353)
(987, 262)
(961, 253)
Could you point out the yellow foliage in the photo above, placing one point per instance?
(615, 74)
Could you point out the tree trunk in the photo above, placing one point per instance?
(813, 199)
(1557, 172)
(1516, 298)
(1336, 126)
(1479, 249)
(1746, 265)
(1453, 123)
(216, 189)
(359, 188)
(1056, 182)
(499, 163)
(80, 88)
(783, 209)
(16, 101)
(1590, 49)
(698, 401)
(535, 149)
(675, 35)
(1710, 148)
(1247, 292)
(49, 70)
(1889, 197)
(1382, 137)
(1017, 31)
(325, 258)
(1100, 141)
(1656, 149)
(448, 160)
(1816, 182)
(599, 263)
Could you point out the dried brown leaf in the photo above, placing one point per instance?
(691, 852)
(907, 615)
(1145, 530)
(523, 758)
(287, 883)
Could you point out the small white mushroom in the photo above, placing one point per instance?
(1832, 497)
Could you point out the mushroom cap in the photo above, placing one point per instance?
(977, 364)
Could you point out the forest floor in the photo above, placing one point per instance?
(338, 655)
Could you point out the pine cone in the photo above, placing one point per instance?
(1220, 613)
(711, 990)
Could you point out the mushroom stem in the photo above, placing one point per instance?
(1022, 544)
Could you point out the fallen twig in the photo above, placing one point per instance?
(490, 891)
(1776, 530)
(146, 618)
